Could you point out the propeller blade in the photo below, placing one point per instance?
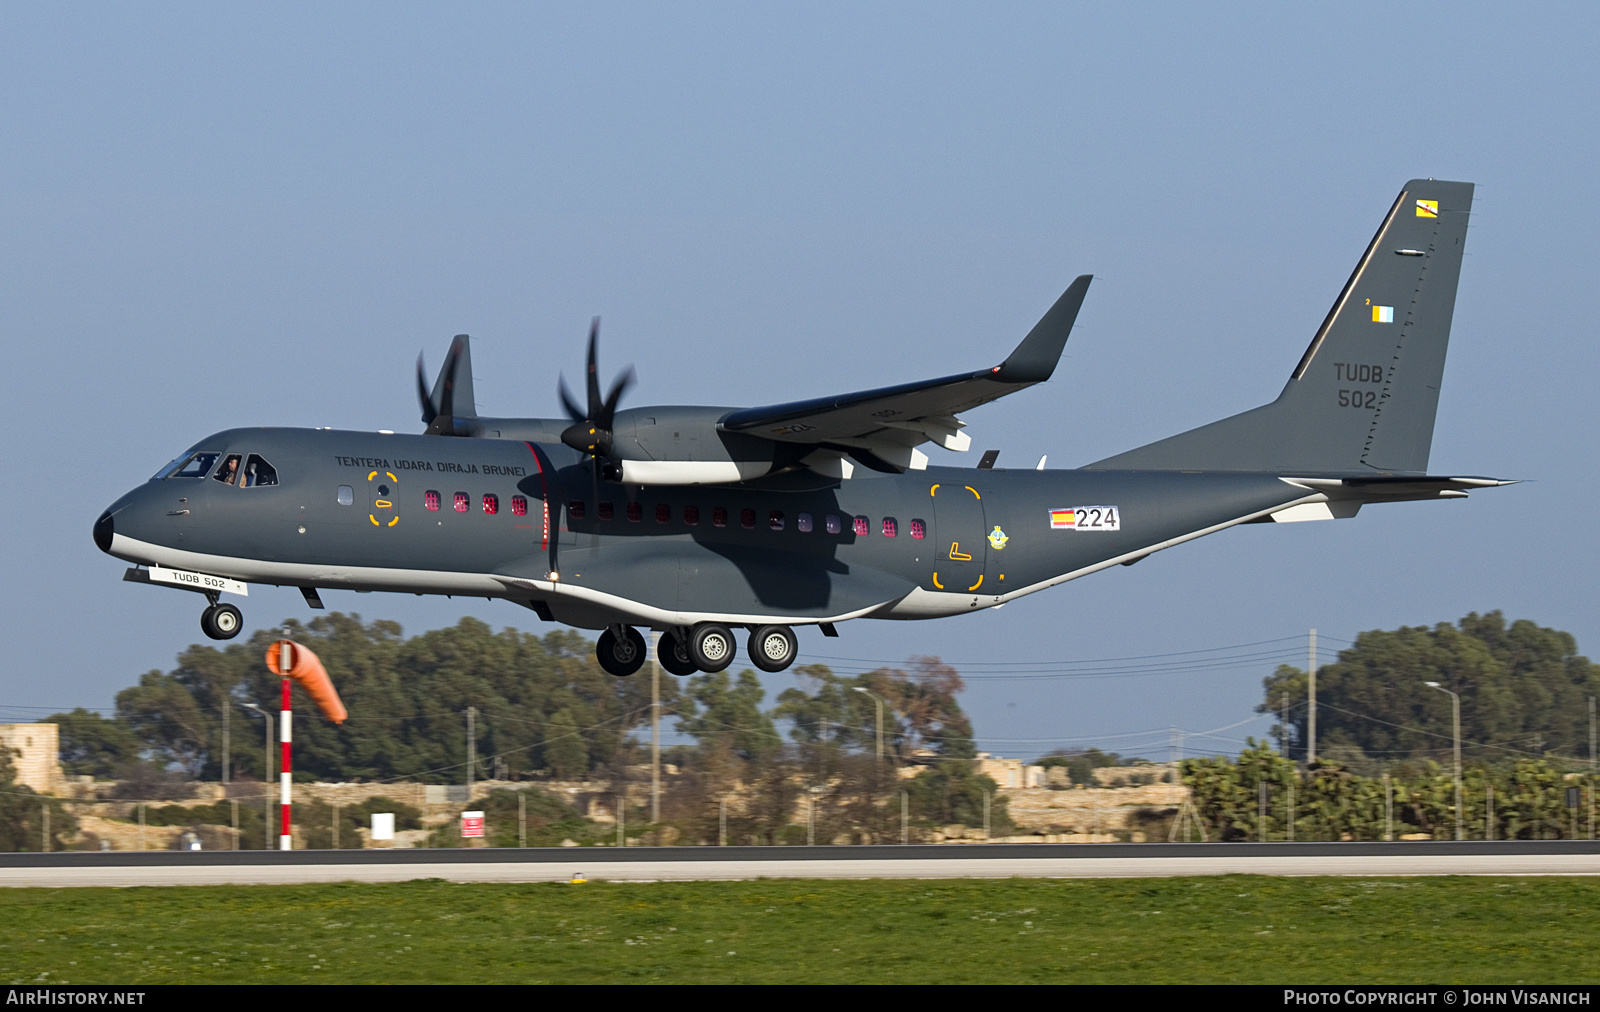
(444, 421)
(594, 369)
(447, 397)
(590, 431)
(422, 393)
(573, 411)
(608, 410)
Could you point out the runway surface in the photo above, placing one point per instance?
(124, 868)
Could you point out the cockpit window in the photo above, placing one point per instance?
(258, 472)
(196, 466)
(228, 471)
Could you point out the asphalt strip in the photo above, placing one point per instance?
(569, 864)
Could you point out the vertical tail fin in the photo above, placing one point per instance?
(1363, 398)
(451, 398)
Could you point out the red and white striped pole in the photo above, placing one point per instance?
(285, 737)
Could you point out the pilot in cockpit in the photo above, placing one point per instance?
(228, 470)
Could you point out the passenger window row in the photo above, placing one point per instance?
(488, 502)
(805, 523)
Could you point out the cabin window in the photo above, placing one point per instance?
(519, 506)
(228, 471)
(430, 499)
(802, 523)
(604, 510)
(919, 529)
(691, 515)
(491, 504)
(831, 523)
(575, 509)
(635, 512)
(258, 472)
(719, 516)
(775, 520)
(347, 495)
(747, 519)
(463, 502)
(861, 526)
(891, 526)
(663, 513)
(196, 466)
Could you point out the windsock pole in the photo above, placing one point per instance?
(285, 737)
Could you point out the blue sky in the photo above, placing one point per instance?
(257, 215)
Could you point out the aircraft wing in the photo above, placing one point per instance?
(900, 417)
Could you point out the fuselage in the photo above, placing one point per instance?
(533, 523)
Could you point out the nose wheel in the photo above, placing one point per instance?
(221, 621)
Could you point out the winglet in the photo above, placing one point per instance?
(1035, 358)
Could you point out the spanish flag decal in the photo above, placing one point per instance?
(1427, 209)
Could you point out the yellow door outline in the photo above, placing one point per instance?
(382, 504)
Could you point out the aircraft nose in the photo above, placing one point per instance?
(103, 529)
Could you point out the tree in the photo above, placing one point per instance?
(1081, 763)
(92, 745)
(22, 814)
(721, 713)
(1524, 689)
(407, 700)
(953, 792)
(922, 711)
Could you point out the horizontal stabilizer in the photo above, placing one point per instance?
(1398, 488)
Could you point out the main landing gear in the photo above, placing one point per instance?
(709, 646)
(221, 621)
(621, 650)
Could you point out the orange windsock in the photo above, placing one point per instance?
(305, 668)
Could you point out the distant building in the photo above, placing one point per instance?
(1009, 774)
(35, 755)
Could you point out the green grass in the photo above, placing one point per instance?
(1214, 929)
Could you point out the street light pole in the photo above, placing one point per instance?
(1455, 709)
(877, 771)
(266, 773)
(879, 704)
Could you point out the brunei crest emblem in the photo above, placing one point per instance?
(997, 539)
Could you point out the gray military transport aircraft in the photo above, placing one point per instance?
(698, 520)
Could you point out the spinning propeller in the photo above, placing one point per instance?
(590, 431)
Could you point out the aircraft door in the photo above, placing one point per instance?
(961, 547)
(382, 491)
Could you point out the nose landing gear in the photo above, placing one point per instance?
(221, 621)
